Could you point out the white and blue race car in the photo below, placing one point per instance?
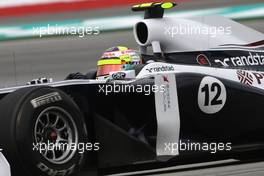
(201, 98)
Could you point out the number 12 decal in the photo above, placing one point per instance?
(214, 87)
(211, 95)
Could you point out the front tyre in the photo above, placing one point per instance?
(41, 128)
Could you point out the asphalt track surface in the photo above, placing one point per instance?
(23, 60)
(56, 57)
(217, 168)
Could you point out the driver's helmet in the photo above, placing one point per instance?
(118, 58)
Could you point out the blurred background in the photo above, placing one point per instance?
(33, 43)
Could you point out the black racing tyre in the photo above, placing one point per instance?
(35, 118)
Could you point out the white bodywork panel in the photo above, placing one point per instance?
(4, 166)
(56, 84)
(167, 115)
(167, 32)
(229, 74)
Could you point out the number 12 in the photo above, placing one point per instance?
(215, 100)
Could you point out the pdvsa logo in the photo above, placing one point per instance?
(203, 60)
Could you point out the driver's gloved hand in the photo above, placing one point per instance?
(77, 75)
(40, 81)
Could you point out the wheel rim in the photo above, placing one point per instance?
(55, 127)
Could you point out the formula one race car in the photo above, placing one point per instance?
(201, 98)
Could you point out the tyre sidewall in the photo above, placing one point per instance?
(26, 119)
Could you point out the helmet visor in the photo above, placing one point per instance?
(103, 70)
